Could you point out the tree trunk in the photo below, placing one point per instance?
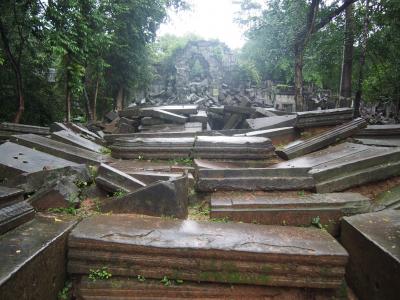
(357, 100)
(347, 63)
(16, 66)
(67, 99)
(298, 79)
(88, 108)
(119, 99)
(94, 103)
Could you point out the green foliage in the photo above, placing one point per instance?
(119, 193)
(71, 210)
(99, 274)
(105, 151)
(141, 278)
(165, 281)
(65, 292)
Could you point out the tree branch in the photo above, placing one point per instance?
(333, 14)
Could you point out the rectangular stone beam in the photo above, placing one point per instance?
(322, 140)
(74, 139)
(22, 128)
(163, 114)
(326, 117)
(207, 252)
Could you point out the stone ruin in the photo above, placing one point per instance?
(191, 201)
(203, 73)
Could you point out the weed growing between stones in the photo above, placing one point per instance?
(105, 151)
(141, 278)
(119, 193)
(99, 274)
(64, 293)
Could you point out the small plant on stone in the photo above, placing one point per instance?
(141, 278)
(71, 210)
(101, 274)
(119, 193)
(165, 281)
(179, 281)
(316, 222)
(301, 193)
(105, 151)
(64, 293)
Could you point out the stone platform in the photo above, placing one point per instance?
(264, 208)
(207, 252)
(373, 242)
(33, 258)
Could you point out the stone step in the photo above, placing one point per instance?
(161, 198)
(322, 140)
(15, 214)
(113, 180)
(59, 149)
(253, 179)
(373, 242)
(207, 252)
(74, 139)
(33, 258)
(22, 128)
(10, 195)
(326, 117)
(264, 208)
(271, 122)
(118, 288)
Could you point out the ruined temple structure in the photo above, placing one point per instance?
(208, 73)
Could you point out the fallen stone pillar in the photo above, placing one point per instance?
(14, 215)
(325, 210)
(322, 140)
(207, 252)
(163, 114)
(373, 240)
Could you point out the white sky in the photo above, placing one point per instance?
(210, 19)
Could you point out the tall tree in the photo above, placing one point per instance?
(347, 62)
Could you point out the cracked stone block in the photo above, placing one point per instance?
(234, 253)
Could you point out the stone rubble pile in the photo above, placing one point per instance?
(142, 168)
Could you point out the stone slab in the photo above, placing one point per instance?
(326, 117)
(264, 208)
(152, 121)
(22, 128)
(271, 122)
(389, 199)
(10, 195)
(14, 215)
(322, 157)
(71, 138)
(58, 126)
(373, 242)
(207, 252)
(162, 198)
(163, 114)
(253, 179)
(33, 263)
(131, 289)
(380, 141)
(112, 180)
(282, 135)
(59, 149)
(178, 109)
(373, 164)
(381, 130)
(149, 177)
(16, 159)
(84, 132)
(322, 140)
